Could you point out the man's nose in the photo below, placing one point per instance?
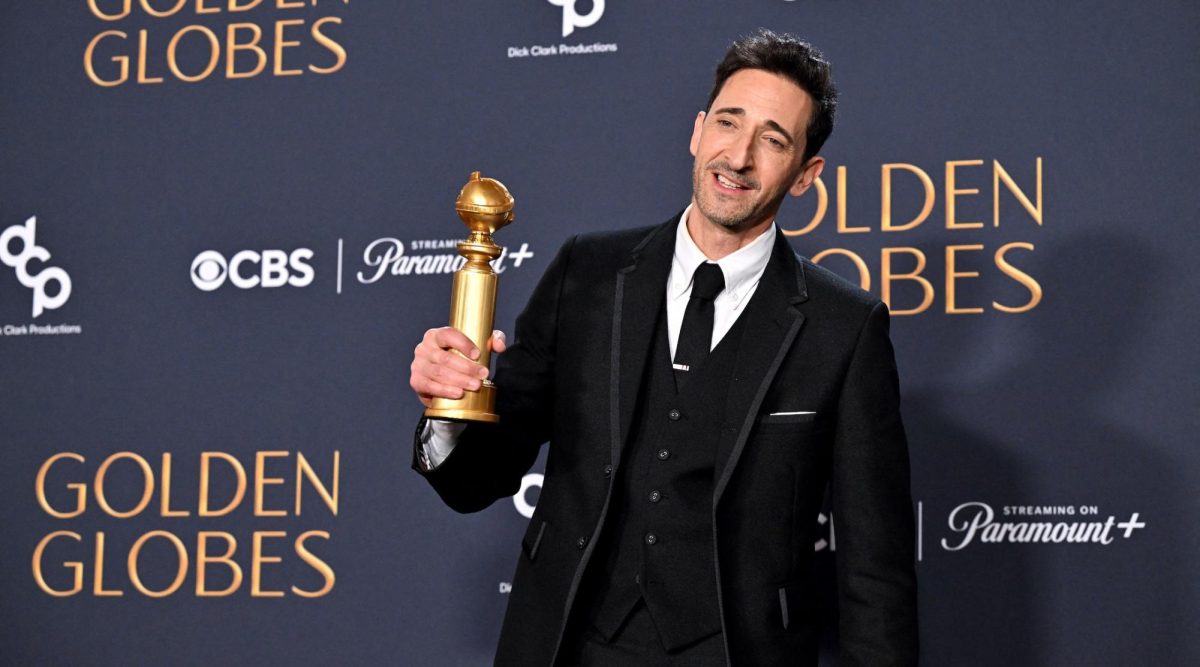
(739, 153)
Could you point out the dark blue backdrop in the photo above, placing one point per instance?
(1079, 409)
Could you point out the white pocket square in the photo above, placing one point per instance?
(787, 414)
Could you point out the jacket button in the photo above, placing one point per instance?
(581, 542)
(607, 469)
(651, 539)
(674, 415)
(664, 454)
(655, 496)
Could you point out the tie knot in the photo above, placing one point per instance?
(708, 281)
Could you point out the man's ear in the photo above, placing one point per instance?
(697, 128)
(808, 174)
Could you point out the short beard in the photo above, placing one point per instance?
(734, 221)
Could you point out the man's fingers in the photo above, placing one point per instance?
(453, 339)
(446, 375)
(453, 362)
(430, 354)
(435, 389)
(439, 371)
(499, 341)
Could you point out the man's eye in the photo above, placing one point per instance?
(724, 122)
(775, 143)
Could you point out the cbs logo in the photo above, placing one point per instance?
(271, 268)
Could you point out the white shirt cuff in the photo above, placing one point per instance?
(438, 440)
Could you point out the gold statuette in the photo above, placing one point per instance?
(485, 205)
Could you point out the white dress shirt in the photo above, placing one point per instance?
(743, 269)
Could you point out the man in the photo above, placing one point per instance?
(701, 387)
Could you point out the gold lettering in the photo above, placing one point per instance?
(304, 470)
(864, 274)
(98, 588)
(166, 489)
(333, 47)
(885, 216)
(142, 76)
(89, 63)
(233, 46)
(180, 573)
(235, 7)
(256, 562)
(952, 275)
(886, 276)
(147, 487)
(73, 565)
(126, 7)
(841, 206)
(79, 488)
(261, 480)
(999, 174)
(162, 13)
(281, 44)
(822, 206)
(214, 53)
(315, 563)
(205, 459)
(203, 559)
(952, 192)
(1035, 290)
(201, 9)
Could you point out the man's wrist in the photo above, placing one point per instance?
(436, 438)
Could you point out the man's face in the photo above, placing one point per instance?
(749, 150)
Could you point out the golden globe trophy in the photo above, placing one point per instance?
(485, 205)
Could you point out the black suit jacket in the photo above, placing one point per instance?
(813, 343)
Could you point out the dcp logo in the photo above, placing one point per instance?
(275, 268)
(37, 282)
(572, 20)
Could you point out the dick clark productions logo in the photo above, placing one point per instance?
(572, 19)
(31, 251)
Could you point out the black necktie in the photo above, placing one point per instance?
(695, 336)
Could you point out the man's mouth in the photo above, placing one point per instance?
(730, 184)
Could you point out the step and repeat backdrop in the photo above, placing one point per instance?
(225, 224)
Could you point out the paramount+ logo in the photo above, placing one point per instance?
(248, 269)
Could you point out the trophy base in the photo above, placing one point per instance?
(474, 406)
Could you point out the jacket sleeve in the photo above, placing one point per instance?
(872, 508)
(488, 460)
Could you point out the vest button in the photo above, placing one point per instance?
(581, 542)
(651, 539)
(674, 415)
(607, 469)
(655, 496)
(664, 454)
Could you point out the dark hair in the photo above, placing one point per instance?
(795, 59)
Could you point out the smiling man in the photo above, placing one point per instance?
(701, 388)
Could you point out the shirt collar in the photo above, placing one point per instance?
(742, 268)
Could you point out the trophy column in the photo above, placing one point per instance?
(485, 205)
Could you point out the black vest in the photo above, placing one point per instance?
(657, 545)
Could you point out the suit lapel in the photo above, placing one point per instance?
(772, 322)
(641, 289)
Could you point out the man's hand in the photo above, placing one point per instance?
(437, 371)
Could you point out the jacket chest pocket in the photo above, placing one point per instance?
(796, 441)
(790, 426)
